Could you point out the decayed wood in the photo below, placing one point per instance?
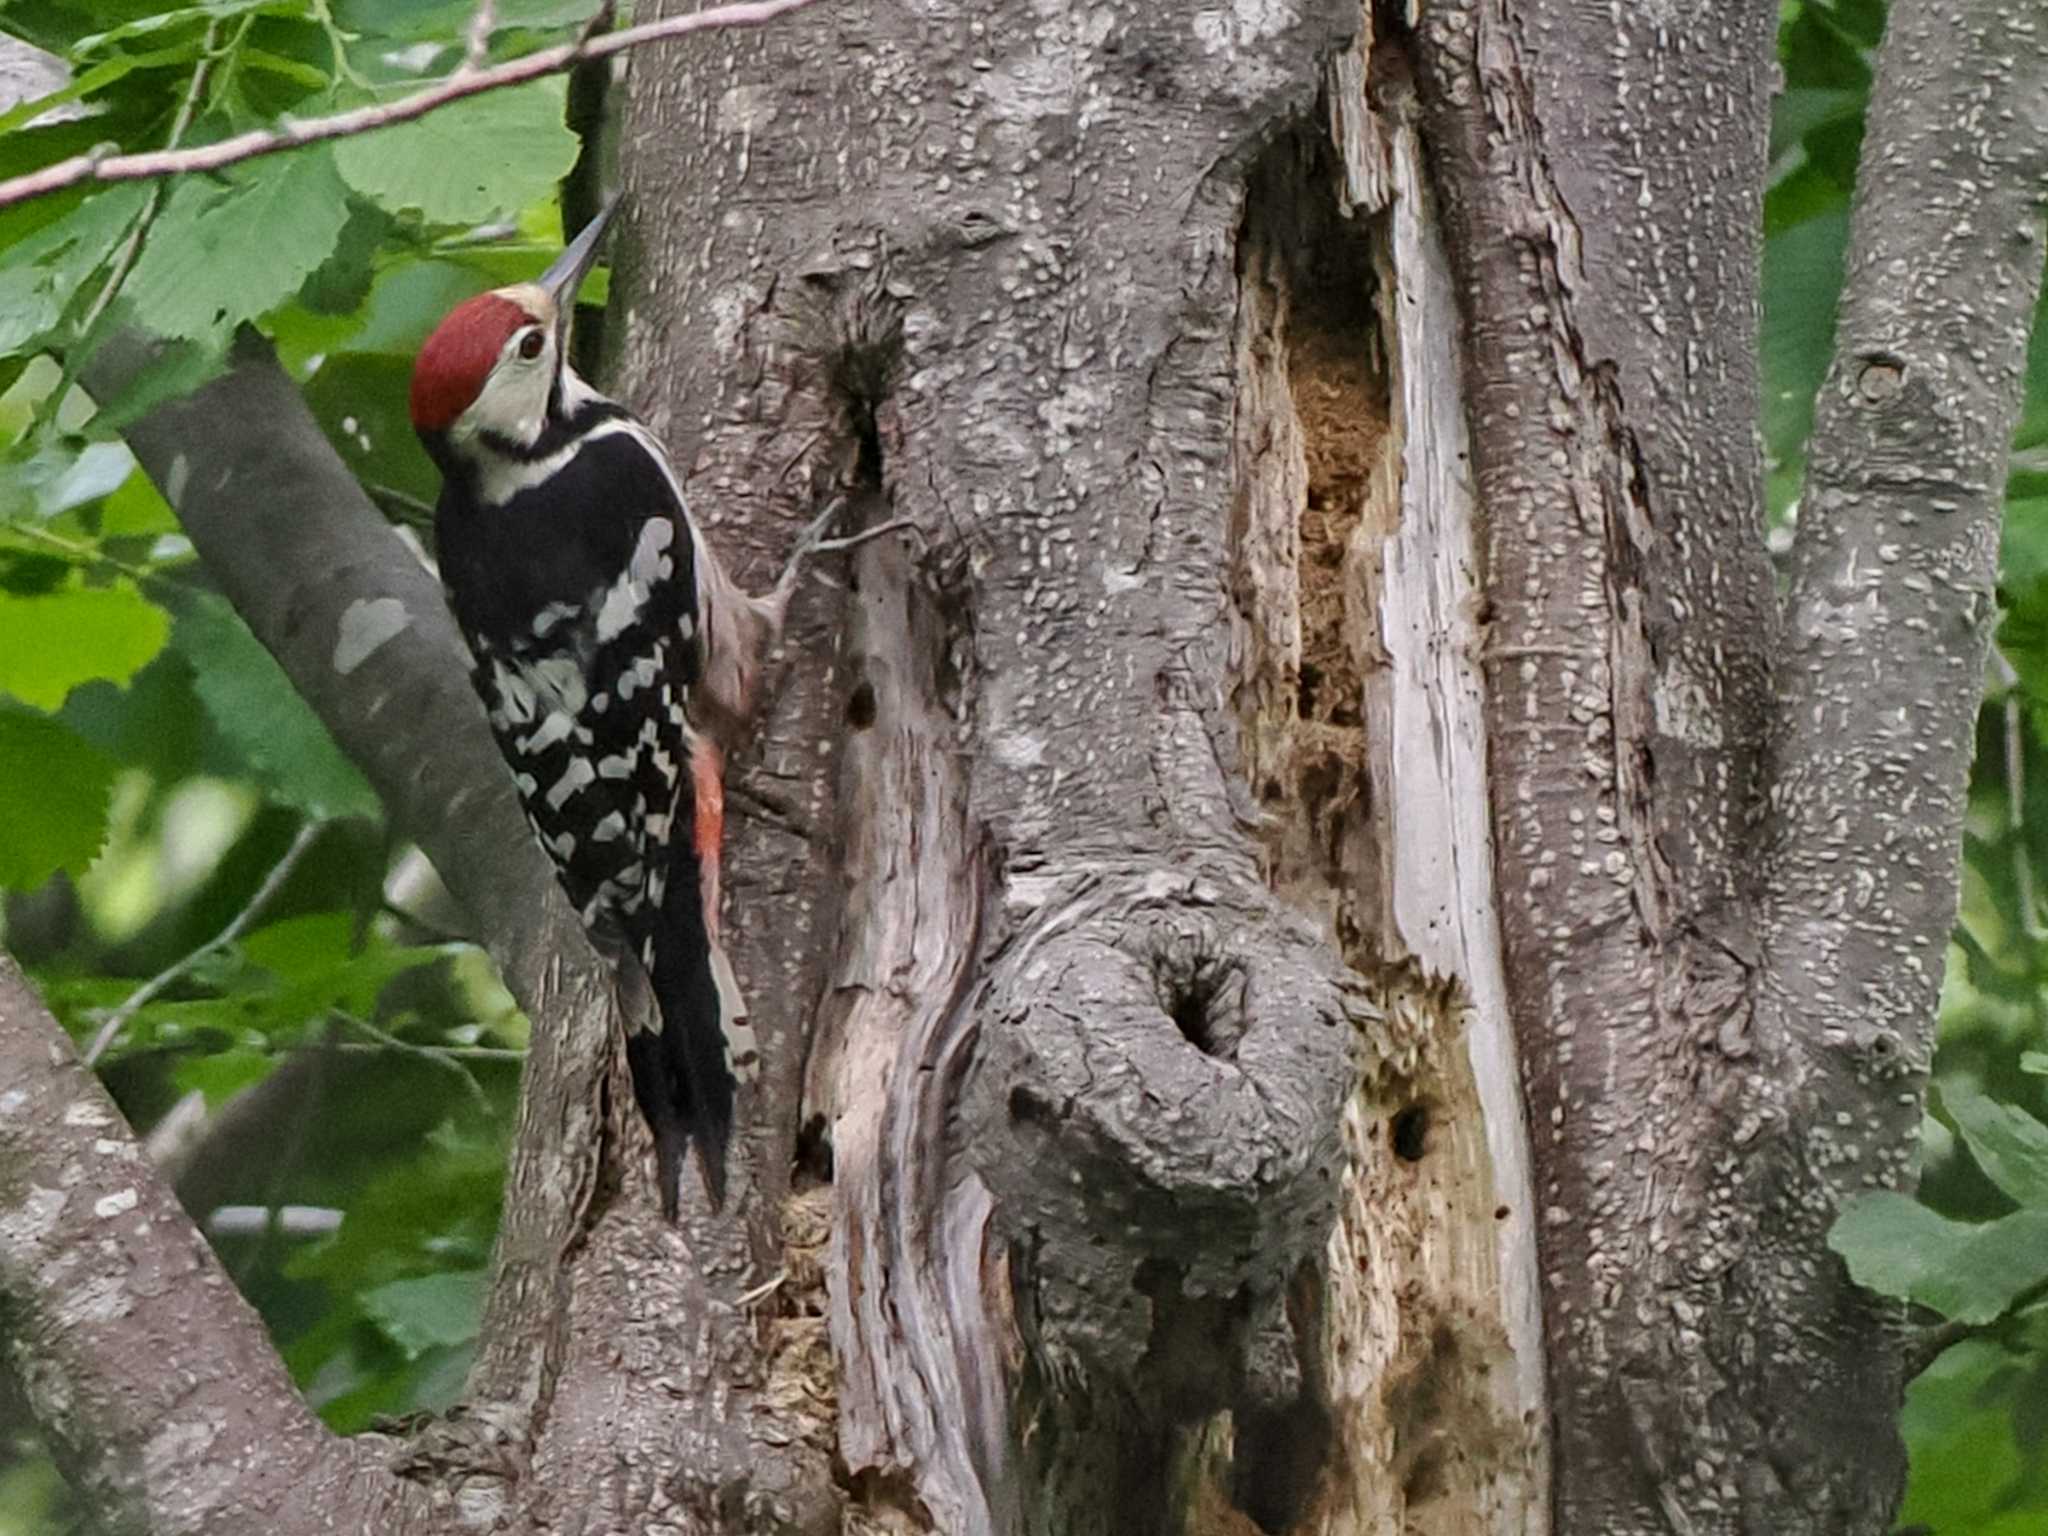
(918, 1288)
(1365, 743)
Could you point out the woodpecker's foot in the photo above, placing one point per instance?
(855, 540)
(813, 541)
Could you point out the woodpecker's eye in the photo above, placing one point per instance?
(531, 345)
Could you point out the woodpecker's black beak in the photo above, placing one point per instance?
(565, 276)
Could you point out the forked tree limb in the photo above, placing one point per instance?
(156, 1385)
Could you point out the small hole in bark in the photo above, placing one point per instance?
(1202, 994)
(1027, 1108)
(814, 1150)
(860, 707)
(1500, 1213)
(1190, 1017)
(1311, 679)
(1409, 1132)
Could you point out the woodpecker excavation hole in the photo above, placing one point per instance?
(1319, 485)
(1342, 407)
(1408, 1132)
(860, 706)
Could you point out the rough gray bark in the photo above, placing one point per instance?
(155, 1384)
(1139, 1146)
(1036, 280)
(1708, 983)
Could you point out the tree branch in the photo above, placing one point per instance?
(361, 629)
(98, 166)
(1891, 600)
(149, 1374)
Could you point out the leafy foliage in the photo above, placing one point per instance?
(170, 766)
(350, 1057)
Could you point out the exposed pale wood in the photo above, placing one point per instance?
(1365, 742)
(919, 1294)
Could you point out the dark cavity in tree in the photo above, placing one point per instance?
(1409, 1133)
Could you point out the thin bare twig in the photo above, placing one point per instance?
(272, 884)
(482, 22)
(405, 508)
(100, 166)
(438, 1057)
(452, 1052)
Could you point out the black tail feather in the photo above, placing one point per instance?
(681, 1077)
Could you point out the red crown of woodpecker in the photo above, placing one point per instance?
(459, 356)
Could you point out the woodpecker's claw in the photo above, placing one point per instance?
(855, 540)
(812, 541)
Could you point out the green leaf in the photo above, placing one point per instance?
(312, 956)
(258, 712)
(195, 17)
(1890, 1240)
(431, 1212)
(42, 273)
(490, 154)
(290, 69)
(1801, 110)
(2035, 1062)
(60, 472)
(432, 1311)
(1802, 275)
(359, 399)
(57, 787)
(1995, 1264)
(443, 20)
(2010, 1145)
(2023, 552)
(225, 251)
(135, 508)
(98, 78)
(1968, 1272)
(51, 643)
(220, 1075)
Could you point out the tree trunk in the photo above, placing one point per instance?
(1329, 696)
(1118, 853)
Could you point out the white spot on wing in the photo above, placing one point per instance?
(516, 702)
(560, 679)
(628, 594)
(556, 727)
(574, 777)
(549, 617)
